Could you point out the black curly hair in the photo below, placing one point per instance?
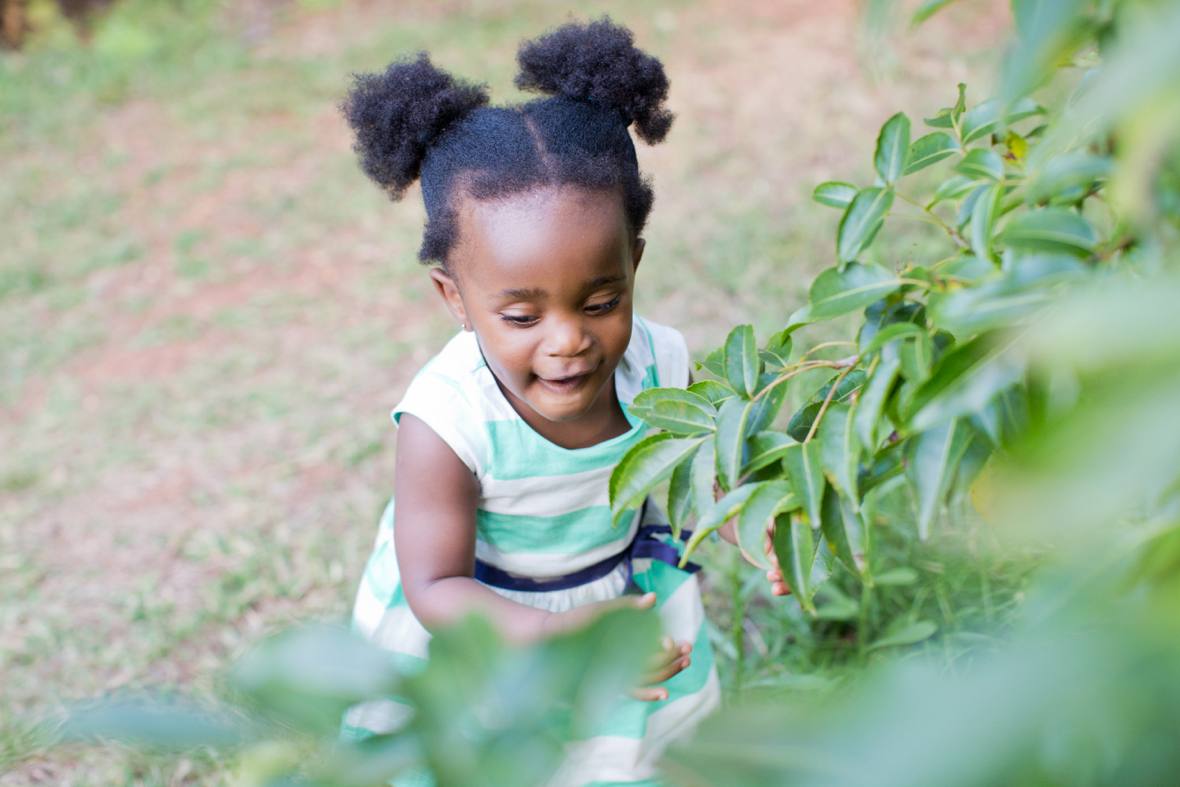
(414, 121)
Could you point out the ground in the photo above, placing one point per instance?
(206, 311)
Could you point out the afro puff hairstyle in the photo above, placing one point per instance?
(416, 121)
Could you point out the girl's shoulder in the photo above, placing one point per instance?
(663, 350)
(450, 394)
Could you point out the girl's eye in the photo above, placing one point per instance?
(603, 308)
(521, 320)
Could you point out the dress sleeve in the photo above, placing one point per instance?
(441, 404)
(671, 355)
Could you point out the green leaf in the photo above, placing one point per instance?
(967, 267)
(896, 577)
(840, 450)
(966, 379)
(930, 149)
(917, 357)
(981, 164)
(1072, 170)
(765, 408)
(1048, 35)
(680, 495)
(800, 424)
(742, 363)
(941, 119)
(703, 472)
(967, 206)
(983, 219)
(834, 605)
(676, 410)
(834, 193)
(960, 102)
(1017, 295)
(648, 463)
(1003, 417)
(841, 527)
(985, 118)
(714, 363)
(893, 144)
(908, 634)
(768, 501)
(716, 392)
(892, 332)
(717, 514)
(861, 220)
(835, 292)
(846, 385)
(1050, 229)
(927, 9)
(872, 399)
(777, 353)
(803, 463)
(766, 448)
(309, 675)
(732, 428)
(794, 546)
(953, 187)
(932, 459)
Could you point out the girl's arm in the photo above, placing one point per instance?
(434, 538)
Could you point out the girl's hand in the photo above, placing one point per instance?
(778, 585)
(670, 660)
(728, 532)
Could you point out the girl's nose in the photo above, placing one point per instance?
(567, 337)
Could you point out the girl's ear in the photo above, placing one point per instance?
(637, 252)
(449, 290)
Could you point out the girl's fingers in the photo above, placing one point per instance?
(667, 671)
(778, 585)
(669, 654)
(646, 601)
(650, 694)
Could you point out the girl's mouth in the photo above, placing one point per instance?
(564, 385)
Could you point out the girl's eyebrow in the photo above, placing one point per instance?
(536, 293)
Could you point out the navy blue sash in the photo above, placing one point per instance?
(644, 545)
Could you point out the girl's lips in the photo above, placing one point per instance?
(564, 384)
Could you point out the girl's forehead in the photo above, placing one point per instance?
(554, 239)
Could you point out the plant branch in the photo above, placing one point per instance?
(823, 408)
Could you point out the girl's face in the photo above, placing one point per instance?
(545, 280)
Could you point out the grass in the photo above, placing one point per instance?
(206, 312)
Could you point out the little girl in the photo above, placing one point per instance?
(508, 436)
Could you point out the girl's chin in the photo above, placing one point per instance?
(563, 402)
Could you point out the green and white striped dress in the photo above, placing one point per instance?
(544, 512)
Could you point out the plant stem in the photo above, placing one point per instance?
(935, 219)
(736, 626)
(822, 345)
(823, 408)
(862, 622)
(791, 371)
